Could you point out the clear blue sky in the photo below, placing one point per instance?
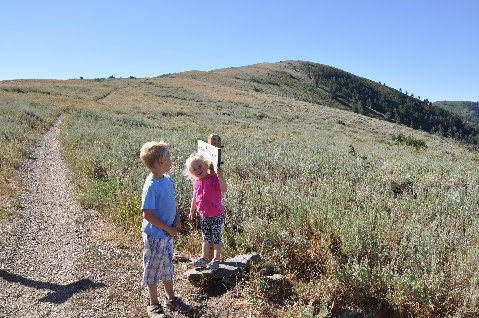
(429, 48)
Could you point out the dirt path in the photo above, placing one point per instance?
(59, 260)
(53, 262)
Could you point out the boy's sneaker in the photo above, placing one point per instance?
(177, 304)
(214, 264)
(156, 311)
(200, 262)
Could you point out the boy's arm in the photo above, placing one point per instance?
(177, 221)
(192, 209)
(221, 179)
(150, 217)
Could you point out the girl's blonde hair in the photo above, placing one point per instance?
(194, 157)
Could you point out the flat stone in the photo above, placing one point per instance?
(228, 268)
(243, 260)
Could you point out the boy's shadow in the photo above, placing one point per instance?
(60, 294)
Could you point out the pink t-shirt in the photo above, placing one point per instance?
(207, 192)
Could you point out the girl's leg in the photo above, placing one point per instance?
(205, 251)
(217, 251)
(217, 222)
(206, 235)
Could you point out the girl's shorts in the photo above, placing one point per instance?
(157, 259)
(211, 228)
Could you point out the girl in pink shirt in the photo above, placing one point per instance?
(207, 188)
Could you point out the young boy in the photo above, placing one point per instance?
(160, 225)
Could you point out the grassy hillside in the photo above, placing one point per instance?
(325, 85)
(467, 110)
(359, 213)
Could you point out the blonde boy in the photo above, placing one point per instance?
(160, 224)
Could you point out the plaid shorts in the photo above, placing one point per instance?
(157, 259)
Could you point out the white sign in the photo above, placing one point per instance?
(211, 153)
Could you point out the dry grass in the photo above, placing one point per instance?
(23, 116)
(309, 187)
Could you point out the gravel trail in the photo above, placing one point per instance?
(57, 259)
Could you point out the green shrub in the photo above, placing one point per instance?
(418, 144)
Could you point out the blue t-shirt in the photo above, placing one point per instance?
(158, 196)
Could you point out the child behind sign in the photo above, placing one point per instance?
(207, 188)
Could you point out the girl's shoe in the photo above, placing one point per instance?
(200, 262)
(214, 264)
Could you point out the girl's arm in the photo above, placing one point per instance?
(223, 186)
(192, 209)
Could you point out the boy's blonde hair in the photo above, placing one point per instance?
(194, 157)
(152, 151)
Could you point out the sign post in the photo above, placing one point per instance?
(211, 153)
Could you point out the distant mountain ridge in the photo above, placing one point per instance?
(329, 86)
(467, 110)
(322, 85)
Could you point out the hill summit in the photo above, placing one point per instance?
(329, 86)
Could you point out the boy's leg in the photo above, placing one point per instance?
(172, 302)
(153, 293)
(170, 293)
(148, 270)
(157, 265)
